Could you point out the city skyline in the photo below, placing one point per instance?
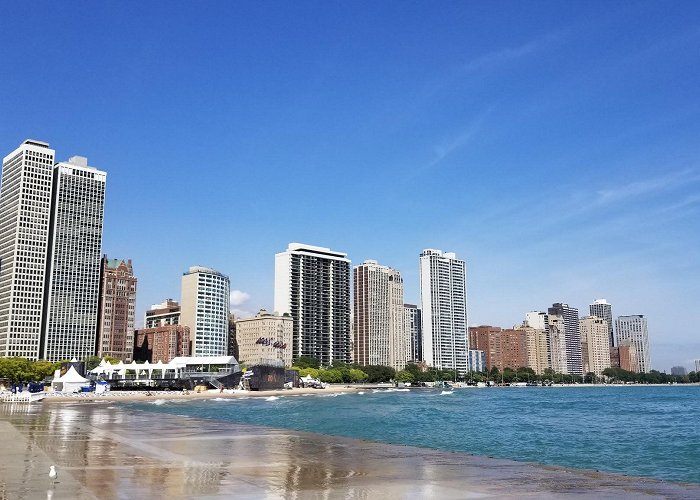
(316, 128)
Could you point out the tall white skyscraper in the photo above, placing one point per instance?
(378, 320)
(443, 294)
(634, 329)
(75, 249)
(25, 207)
(204, 308)
(312, 284)
(602, 309)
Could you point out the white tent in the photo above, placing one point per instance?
(71, 381)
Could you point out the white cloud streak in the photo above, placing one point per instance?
(239, 297)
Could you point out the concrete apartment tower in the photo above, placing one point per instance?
(556, 344)
(572, 335)
(312, 284)
(72, 293)
(379, 335)
(115, 336)
(414, 331)
(204, 307)
(602, 309)
(634, 329)
(443, 293)
(25, 204)
(595, 344)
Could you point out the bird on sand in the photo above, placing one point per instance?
(53, 474)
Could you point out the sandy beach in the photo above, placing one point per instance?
(106, 450)
(116, 396)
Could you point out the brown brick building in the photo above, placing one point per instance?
(502, 348)
(115, 335)
(162, 343)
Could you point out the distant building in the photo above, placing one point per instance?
(162, 343)
(624, 356)
(572, 336)
(232, 342)
(513, 349)
(697, 366)
(379, 336)
(476, 361)
(265, 339)
(556, 343)
(25, 201)
(679, 371)
(312, 284)
(601, 309)
(165, 313)
(595, 344)
(413, 326)
(115, 336)
(536, 348)
(634, 329)
(487, 338)
(537, 320)
(443, 292)
(204, 308)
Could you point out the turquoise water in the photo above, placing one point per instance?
(640, 431)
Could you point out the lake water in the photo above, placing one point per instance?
(634, 430)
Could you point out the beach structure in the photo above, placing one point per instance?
(71, 381)
(443, 294)
(312, 284)
(216, 371)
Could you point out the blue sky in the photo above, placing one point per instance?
(553, 145)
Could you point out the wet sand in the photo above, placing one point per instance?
(105, 450)
(130, 396)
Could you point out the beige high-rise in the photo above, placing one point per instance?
(378, 317)
(595, 344)
(265, 339)
(536, 347)
(204, 307)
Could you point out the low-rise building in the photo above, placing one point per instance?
(265, 339)
(162, 343)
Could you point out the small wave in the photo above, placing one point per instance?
(443, 393)
(158, 402)
(272, 398)
(361, 393)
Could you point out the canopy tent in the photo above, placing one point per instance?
(71, 381)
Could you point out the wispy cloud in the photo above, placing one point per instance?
(646, 187)
(505, 55)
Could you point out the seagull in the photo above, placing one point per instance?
(53, 474)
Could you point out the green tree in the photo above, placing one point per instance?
(379, 373)
(313, 372)
(357, 375)
(404, 376)
(331, 376)
(307, 362)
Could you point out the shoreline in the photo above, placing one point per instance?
(108, 452)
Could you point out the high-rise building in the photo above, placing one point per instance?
(204, 307)
(232, 342)
(624, 356)
(165, 313)
(25, 207)
(443, 293)
(536, 348)
(71, 297)
(161, 343)
(265, 339)
(556, 342)
(634, 329)
(379, 336)
(312, 284)
(595, 344)
(117, 303)
(697, 366)
(413, 325)
(601, 309)
(572, 335)
(537, 320)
